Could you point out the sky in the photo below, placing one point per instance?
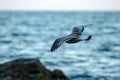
(89, 5)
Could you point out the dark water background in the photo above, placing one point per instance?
(31, 34)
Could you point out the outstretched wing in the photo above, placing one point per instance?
(58, 42)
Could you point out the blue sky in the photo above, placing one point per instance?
(60, 5)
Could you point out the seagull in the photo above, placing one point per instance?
(74, 37)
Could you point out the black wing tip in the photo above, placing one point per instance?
(55, 46)
(52, 50)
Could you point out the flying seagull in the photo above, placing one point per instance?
(74, 37)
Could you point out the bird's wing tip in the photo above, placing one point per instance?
(57, 43)
(51, 50)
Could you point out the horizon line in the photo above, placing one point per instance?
(61, 10)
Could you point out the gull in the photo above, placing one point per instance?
(74, 37)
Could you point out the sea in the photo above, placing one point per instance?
(30, 34)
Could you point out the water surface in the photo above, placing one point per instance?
(31, 34)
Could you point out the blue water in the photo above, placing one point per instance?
(31, 34)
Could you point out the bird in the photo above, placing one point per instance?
(74, 37)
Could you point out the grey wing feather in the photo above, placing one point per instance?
(58, 42)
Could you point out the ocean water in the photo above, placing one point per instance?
(31, 35)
